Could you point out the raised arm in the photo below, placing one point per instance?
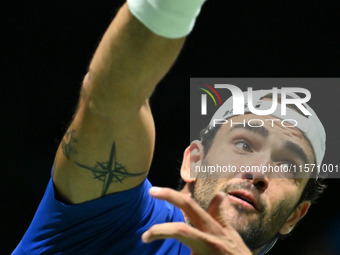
(109, 144)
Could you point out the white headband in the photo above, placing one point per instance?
(311, 125)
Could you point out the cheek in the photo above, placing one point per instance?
(203, 191)
(281, 201)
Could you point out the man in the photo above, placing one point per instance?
(97, 201)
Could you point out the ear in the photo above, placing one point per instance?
(193, 156)
(296, 215)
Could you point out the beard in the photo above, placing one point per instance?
(255, 232)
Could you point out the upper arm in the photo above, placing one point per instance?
(100, 155)
(109, 144)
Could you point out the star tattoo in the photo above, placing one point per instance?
(109, 171)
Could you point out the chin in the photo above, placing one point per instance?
(238, 218)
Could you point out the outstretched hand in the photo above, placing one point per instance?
(210, 234)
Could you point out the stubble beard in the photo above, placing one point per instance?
(255, 233)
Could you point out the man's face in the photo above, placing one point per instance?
(257, 204)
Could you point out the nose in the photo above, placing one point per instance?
(257, 176)
(258, 179)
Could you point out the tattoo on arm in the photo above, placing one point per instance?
(67, 144)
(108, 172)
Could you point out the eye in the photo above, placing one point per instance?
(288, 168)
(287, 164)
(243, 145)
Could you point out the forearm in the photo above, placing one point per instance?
(128, 63)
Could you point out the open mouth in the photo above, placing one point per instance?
(244, 199)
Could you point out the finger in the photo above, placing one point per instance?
(191, 237)
(215, 210)
(197, 215)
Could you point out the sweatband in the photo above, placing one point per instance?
(167, 18)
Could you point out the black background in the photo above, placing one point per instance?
(47, 46)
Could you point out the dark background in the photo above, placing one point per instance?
(47, 46)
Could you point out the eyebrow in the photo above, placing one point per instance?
(259, 130)
(296, 149)
(262, 131)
